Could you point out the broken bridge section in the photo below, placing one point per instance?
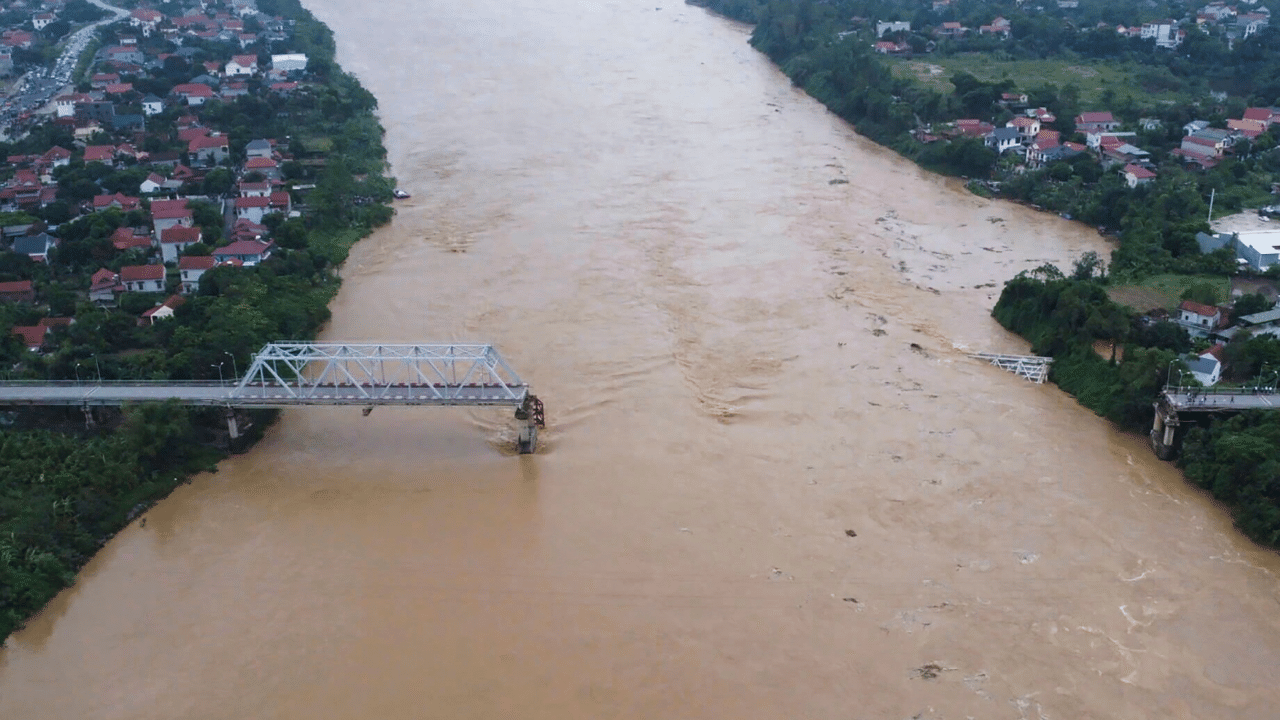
(1031, 367)
(290, 374)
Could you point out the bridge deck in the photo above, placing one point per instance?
(1221, 400)
(260, 395)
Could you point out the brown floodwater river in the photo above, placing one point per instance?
(749, 326)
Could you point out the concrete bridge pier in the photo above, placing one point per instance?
(1164, 431)
(233, 428)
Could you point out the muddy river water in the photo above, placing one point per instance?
(749, 326)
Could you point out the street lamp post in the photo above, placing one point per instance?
(97, 367)
(219, 366)
(77, 373)
(234, 370)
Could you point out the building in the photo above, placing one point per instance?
(170, 213)
(142, 278)
(892, 27)
(36, 247)
(1205, 368)
(1198, 317)
(1135, 175)
(175, 240)
(249, 252)
(1003, 139)
(242, 66)
(103, 287)
(18, 291)
(162, 311)
(1096, 122)
(297, 62)
(1259, 248)
(190, 268)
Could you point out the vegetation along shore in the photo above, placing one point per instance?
(187, 199)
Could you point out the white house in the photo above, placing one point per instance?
(249, 252)
(1135, 175)
(252, 207)
(176, 239)
(1207, 367)
(190, 268)
(1002, 139)
(242, 65)
(142, 278)
(162, 311)
(152, 105)
(1196, 316)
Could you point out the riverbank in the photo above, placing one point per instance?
(60, 506)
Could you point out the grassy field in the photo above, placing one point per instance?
(1091, 78)
(1165, 291)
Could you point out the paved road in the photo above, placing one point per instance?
(38, 87)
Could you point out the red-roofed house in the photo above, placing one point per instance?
(249, 252)
(255, 189)
(190, 268)
(252, 208)
(103, 287)
(119, 88)
(142, 278)
(1027, 128)
(247, 230)
(1096, 122)
(176, 239)
(268, 167)
(1248, 128)
(17, 39)
(54, 157)
(170, 213)
(119, 200)
(66, 104)
(105, 154)
(145, 19)
(193, 93)
(125, 238)
(162, 311)
(33, 336)
(1199, 316)
(1266, 116)
(187, 134)
(281, 202)
(969, 127)
(242, 65)
(18, 291)
(1135, 175)
(208, 150)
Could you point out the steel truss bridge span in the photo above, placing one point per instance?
(290, 374)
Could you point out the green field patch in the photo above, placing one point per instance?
(1165, 291)
(1091, 78)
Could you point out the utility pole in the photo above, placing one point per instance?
(1212, 192)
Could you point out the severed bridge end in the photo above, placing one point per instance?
(531, 415)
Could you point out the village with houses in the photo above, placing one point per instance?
(1214, 144)
(130, 185)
